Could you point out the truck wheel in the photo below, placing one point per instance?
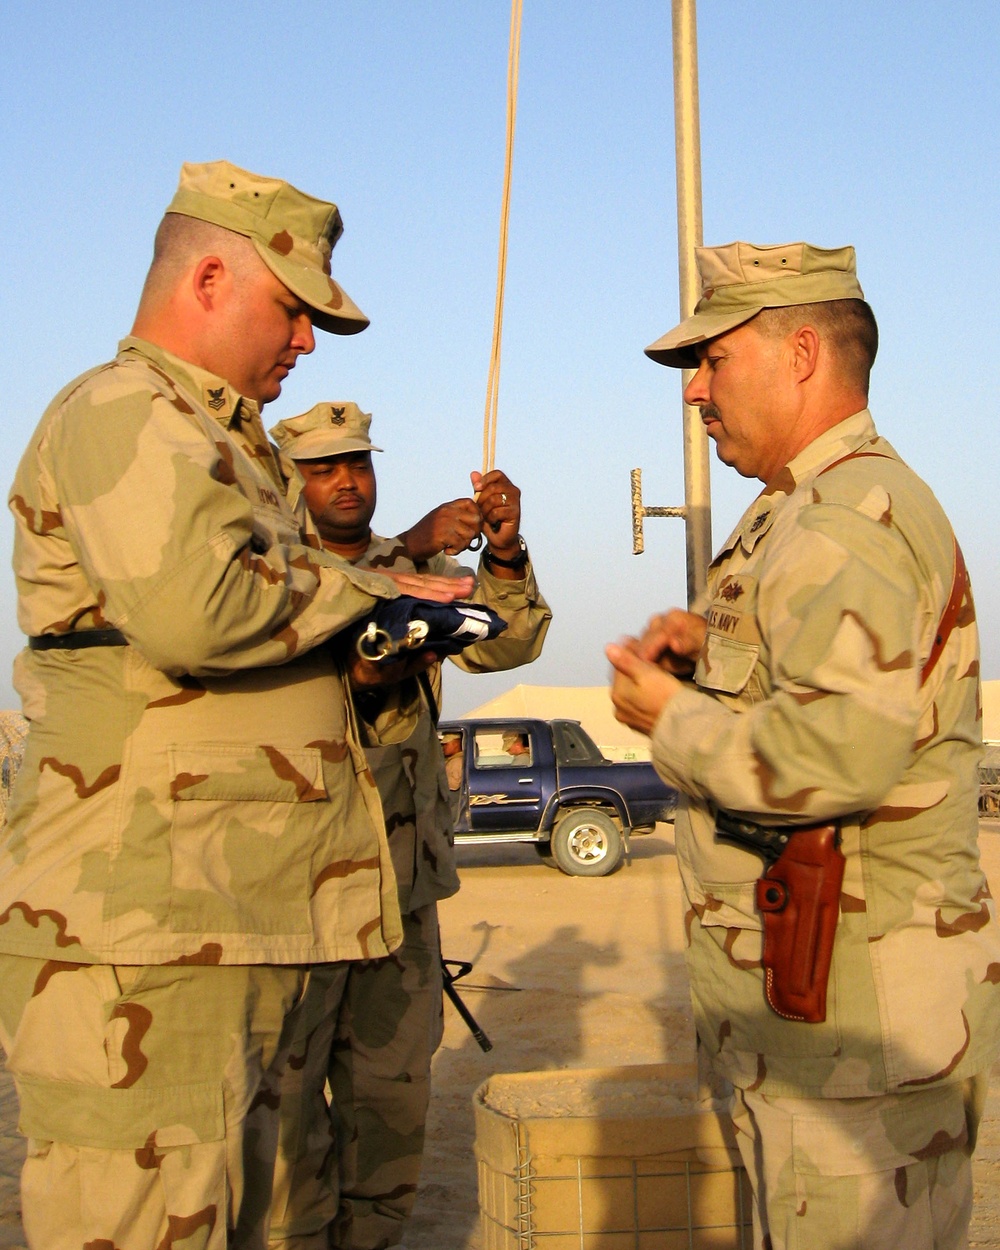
(587, 843)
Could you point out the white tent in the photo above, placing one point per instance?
(590, 705)
(991, 711)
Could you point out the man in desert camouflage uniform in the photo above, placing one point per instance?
(390, 1023)
(810, 688)
(194, 849)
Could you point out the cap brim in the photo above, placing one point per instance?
(333, 309)
(320, 446)
(677, 347)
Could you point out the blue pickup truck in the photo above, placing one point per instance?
(545, 782)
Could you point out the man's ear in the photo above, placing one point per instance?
(804, 344)
(207, 281)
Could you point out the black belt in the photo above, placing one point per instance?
(80, 638)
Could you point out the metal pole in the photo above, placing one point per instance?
(687, 137)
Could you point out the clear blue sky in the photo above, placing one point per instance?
(836, 121)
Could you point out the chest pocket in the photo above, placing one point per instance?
(732, 645)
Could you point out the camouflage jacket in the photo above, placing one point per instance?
(411, 774)
(807, 704)
(199, 795)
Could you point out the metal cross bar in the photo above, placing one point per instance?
(639, 512)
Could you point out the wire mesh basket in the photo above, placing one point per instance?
(607, 1159)
(13, 734)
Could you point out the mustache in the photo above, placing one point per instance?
(709, 412)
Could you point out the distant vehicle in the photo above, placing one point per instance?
(547, 783)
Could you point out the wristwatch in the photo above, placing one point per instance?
(518, 562)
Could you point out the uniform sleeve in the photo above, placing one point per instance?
(199, 578)
(841, 610)
(521, 605)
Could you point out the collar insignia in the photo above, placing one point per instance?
(759, 521)
(216, 397)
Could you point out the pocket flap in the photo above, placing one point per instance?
(892, 1131)
(731, 905)
(235, 773)
(725, 664)
(119, 1119)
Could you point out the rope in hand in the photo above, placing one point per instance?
(493, 382)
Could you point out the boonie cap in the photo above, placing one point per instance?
(325, 430)
(293, 233)
(738, 280)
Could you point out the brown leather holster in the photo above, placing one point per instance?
(799, 901)
(798, 897)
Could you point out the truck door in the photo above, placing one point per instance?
(505, 781)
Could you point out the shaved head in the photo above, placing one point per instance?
(183, 241)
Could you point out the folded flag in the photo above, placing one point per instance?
(408, 624)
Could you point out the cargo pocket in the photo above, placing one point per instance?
(96, 1157)
(882, 1175)
(243, 828)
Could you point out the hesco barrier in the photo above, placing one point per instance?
(989, 781)
(607, 1159)
(13, 734)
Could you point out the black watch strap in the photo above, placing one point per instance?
(518, 562)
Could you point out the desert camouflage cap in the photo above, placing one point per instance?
(325, 430)
(740, 279)
(293, 233)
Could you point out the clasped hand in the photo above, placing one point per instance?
(451, 527)
(646, 669)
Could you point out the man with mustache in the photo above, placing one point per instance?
(377, 1054)
(193, 854)
(825, 691)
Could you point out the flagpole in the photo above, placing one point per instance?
(687, 140)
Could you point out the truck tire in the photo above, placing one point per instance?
(586, 842)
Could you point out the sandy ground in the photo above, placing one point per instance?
(569, 973)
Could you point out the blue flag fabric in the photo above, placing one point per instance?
(408, 624)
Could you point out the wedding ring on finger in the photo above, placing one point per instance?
(503, 497)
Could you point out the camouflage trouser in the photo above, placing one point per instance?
(876, 1173)
(377, 1059)
(148, 1097)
